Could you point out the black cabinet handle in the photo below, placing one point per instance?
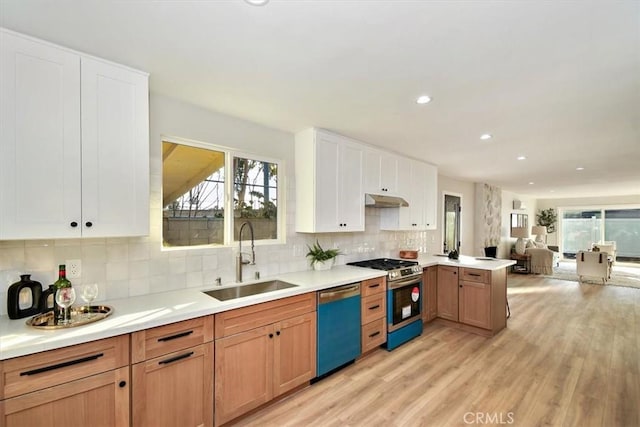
(455, 272)
(474, 274)
(374, 334)
(175, 359)
(374, 307)
(121, 384)
(374, 286)
(278, 333)
(89, 224)
(73, 224)
(176, 336)
(460, 285)
(270, 335)
(62, 365)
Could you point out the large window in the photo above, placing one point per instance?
(580, 228)
(195, 180)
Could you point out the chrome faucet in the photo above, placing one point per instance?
(239, 261)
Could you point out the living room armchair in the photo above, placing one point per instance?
(593, 264)
(608, 246)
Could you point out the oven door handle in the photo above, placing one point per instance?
(405, 282)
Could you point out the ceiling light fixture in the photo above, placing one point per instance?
(424, 99)
(486, 136)
(531, 183)
(579, 168)
(521, 158)
(257, 2)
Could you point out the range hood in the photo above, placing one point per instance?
(380, 201)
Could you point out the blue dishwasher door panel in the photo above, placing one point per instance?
(338, 333)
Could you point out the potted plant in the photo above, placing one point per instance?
(321, 259)
(547, 218)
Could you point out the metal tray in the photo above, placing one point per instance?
(81, 315)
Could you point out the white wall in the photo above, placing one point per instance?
(136, 266)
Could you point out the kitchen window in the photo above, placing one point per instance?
(196, 179)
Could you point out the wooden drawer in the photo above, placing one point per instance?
(167, 339)
(42, 370)
(246, 318)
(374, 334)
(373, 307)
(373, 286)
(475, 275)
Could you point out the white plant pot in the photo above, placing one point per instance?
(323, 265)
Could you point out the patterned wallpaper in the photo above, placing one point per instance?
(490, 213)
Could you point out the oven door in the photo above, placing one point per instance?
(404, 300)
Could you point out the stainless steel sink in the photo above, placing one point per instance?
(248, 290)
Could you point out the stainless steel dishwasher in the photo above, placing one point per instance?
(338, 327)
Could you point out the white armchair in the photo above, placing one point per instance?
(593, 264)
(608, 247)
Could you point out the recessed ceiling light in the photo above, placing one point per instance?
(579, 168)
(424, 99)
(551, 191)
(257, 2)
(485, 136)
(531, 183)
(521, 157)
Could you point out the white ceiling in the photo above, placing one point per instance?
(558, 82)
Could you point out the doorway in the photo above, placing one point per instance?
(451, 219)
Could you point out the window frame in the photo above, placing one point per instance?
(229, 218)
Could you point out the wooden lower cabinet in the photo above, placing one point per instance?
(475, 304)
(430, 300)
(253, 367)
(175, 389)
(84, 384)
(447, 290)
(98, 400)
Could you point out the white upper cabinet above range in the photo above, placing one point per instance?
(329, 192)
(380, 172)
(74, 144)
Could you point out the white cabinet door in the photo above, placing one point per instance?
(431, 197)
(327, 184)
(329, 189)
(351, 199)
(418, 177)
(380, 172)
(39, 140)
(115, 150)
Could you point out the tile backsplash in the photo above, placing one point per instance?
(133, 266)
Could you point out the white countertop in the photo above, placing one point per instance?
(148, 311)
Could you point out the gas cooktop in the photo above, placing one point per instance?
(396, 268)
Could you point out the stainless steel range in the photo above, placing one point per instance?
(404, 298)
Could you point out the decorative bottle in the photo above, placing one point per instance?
(62, 282)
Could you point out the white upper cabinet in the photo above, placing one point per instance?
(380, 172)
(421, 186)
(329, 190)
(74, 144)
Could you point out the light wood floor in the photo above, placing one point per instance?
(570, 356)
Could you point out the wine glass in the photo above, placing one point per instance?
(88, 293)
(65, 297)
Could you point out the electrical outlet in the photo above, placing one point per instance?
(74, 268)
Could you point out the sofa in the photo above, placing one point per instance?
(542, 258)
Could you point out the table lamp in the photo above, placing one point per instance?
(521, 233)
(539, 231)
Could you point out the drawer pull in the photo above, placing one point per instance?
(474, 274)
(176, 336)
(374, 286)
(374, 307)
(62, 365)
(374, 334)
(175, 359)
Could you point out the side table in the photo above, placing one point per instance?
(522, 265)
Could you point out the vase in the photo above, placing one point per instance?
(323, 265)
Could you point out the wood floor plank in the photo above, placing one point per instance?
(570, 356)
